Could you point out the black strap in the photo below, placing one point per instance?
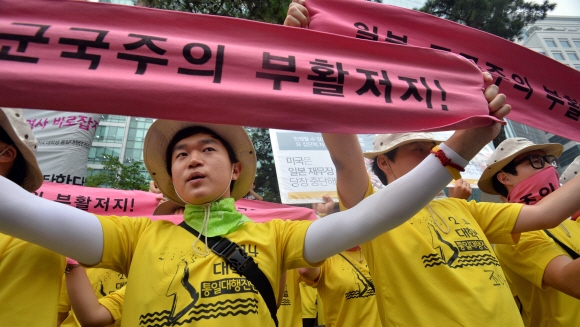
(568, 250)
(368, 281)
(243, 264)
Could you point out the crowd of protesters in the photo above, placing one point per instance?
(405, 255)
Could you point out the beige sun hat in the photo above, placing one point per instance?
(162, 132)
(12, 121)
(167, 208)
(384, 143)
(506, 151)
(571, 172)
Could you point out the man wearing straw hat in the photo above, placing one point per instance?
(542, 268)
(174, 276)
(30, 275)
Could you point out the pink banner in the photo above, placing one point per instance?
(542, 91)
(105, 201)
(135, 61)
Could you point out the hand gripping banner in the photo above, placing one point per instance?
(543, 92)
(103, 58)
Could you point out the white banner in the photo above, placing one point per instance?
(64, 141)
(305, 171)
(303, 165)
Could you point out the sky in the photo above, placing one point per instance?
(565, 8)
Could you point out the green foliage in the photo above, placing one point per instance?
(504, 18)
(266, 180)
(119, 176)
(270, 11)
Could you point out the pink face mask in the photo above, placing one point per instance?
(536, 187)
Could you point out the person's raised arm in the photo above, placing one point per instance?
(351, 174)
(63, 229)
(403, 198)
(552, 210)
(84, 302)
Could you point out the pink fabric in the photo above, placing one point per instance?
(534, 188)
(542, 91)
(219, 69)
(105, 201)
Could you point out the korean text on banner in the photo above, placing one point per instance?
(543, 92)
(102, 58)
(303, 166)
(105, 201)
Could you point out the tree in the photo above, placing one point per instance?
(504, 18)
(119, 176)
(270, 11)
(266, 181)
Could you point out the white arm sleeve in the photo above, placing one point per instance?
(388, 208)
(63, 229)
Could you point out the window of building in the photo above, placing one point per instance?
(572, 56)
(109, 134)
(113, 118)
(97, 154)
(576, 43)
(550, 43)
(577, 67)
(564, 43)
(558, 56)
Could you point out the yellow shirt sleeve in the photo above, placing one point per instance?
(121, 235)
(308, 296)
(114, 303)
(530, 257)
(497, 220)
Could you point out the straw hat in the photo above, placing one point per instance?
(505, 152)
(384, 143)
(166, 208)
(571, 171)
(162, 132)
(12, 121)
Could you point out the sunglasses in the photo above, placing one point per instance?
(538, 162)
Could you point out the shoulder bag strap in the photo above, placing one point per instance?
(243, 264)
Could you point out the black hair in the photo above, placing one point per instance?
(510, 168)
(193, 130)
(377, 170)
(18, 171)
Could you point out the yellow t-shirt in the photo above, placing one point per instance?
(308, 297)
(114, 303)
(168, 281)
(290, 311)
(344, 286)
(30, 277)
(104, 282)
(426, 276)
(524, 265)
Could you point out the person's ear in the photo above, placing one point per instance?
(383, 163)
(9, 154)
(503, 178)
(236, 170)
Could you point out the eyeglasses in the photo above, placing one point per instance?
(538, 162)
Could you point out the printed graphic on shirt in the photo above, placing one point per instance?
(455, 243)
(361, 283)
(207, 300)
(286, 299)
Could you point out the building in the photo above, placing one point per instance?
(557, 37)
(121, 137)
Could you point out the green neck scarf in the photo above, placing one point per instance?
(223, 218)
